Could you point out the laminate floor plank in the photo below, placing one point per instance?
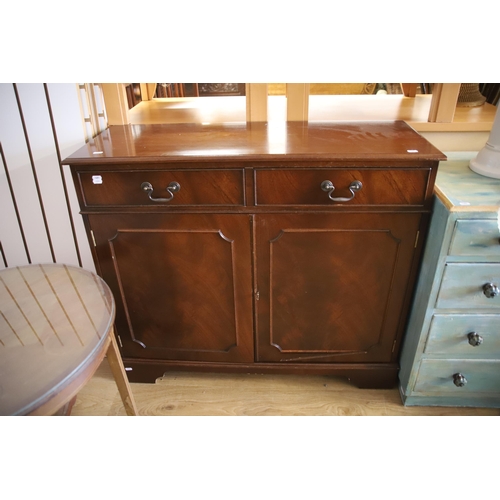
(202, 394)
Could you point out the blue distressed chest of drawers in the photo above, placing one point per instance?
(451, 353)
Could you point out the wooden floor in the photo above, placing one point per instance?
(190, 394)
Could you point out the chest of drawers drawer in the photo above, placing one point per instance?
(333, 186)
(465, 286)
(438, 376)
(476, 239)
(464, 335)
(191, 187)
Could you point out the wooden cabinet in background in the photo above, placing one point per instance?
(255, 249)
(134, 95)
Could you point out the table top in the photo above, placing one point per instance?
(53, 318)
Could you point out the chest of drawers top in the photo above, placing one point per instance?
(287, 141)
(463, 191)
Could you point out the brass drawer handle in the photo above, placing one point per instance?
(172, 188)
(490, 290)
(328, 186)
(474, 339)
(459, 380)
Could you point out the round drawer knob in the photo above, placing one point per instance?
(490, 290)
(459, 380)
(474, 339)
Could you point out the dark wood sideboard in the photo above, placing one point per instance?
(227, 250)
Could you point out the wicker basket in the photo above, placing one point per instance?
(469, 95)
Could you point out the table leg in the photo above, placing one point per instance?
(118, 370)
(65, 411)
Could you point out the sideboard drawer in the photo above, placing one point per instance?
(197, 187)
(465, 335)
(437, 375)
(476, 238)
(304, 186)
(463, 286)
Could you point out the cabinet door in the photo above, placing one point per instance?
(333, 287)
(182, 284)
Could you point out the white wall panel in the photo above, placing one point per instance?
(81, 236)
(47, 123)
(70, 134)
(68, 120)
(11, 238)
(18, 161)
(42, 143)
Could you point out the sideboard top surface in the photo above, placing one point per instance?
(289, 141)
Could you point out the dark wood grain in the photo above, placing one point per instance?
(362, 375)
(332, 286)
(251, 267)
(182, 284)
(197, 187)
(293, 141)
(303, 186)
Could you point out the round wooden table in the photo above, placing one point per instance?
(56, 326)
